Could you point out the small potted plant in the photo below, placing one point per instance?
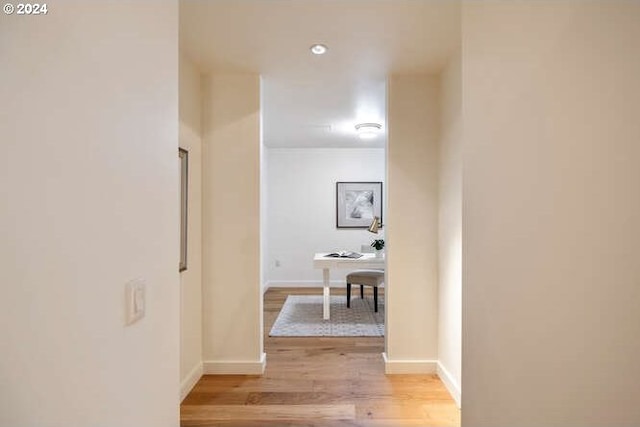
(378, 245)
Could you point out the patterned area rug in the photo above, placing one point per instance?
(301, 316)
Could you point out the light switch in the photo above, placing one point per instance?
(135, 300)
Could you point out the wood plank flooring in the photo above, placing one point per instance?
(319, 382)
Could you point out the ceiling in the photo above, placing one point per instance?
(315, 101)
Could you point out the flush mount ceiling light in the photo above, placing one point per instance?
(318, 49)
(368, 130)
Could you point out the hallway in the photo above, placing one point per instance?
(319, 382)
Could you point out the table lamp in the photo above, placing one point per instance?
(375, 225)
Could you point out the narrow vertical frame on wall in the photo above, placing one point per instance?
(184, 203)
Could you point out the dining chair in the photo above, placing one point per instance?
(373, 278)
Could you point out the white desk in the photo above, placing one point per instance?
(327, 263)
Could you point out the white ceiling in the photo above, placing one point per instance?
(315, 101)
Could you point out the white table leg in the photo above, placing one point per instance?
(327, 295)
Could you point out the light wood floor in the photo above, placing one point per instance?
(323, 381)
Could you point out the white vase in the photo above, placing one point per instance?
(379, 253)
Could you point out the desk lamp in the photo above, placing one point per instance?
(375, 225)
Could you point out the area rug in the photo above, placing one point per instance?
(301, 316)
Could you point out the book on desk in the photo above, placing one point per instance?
(344, 254)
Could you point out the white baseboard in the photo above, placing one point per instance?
(230, 367)
(451, 384)
(409, 366)
(303, 284)
(190, 380)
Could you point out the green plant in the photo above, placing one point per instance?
(377, 244)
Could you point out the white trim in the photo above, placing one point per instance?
(303, 283)
(190, 380)
(451, 384)
(412, 366)
(231, 367)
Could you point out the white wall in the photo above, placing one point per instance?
(302, 208)
(412, 224)
(89, 184)
(264, 200)
(232, 295)
(551, 326)
(190, 112)
(450, 230)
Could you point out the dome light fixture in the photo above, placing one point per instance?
(318, 49)
(368, 130)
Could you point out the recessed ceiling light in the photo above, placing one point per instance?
(368, 130)
(318, 49)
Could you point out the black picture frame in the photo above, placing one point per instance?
(357, 202)
(184, 206)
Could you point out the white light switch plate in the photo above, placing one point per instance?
(135, 300)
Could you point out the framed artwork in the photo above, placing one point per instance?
(357, 203)
(184, 200)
